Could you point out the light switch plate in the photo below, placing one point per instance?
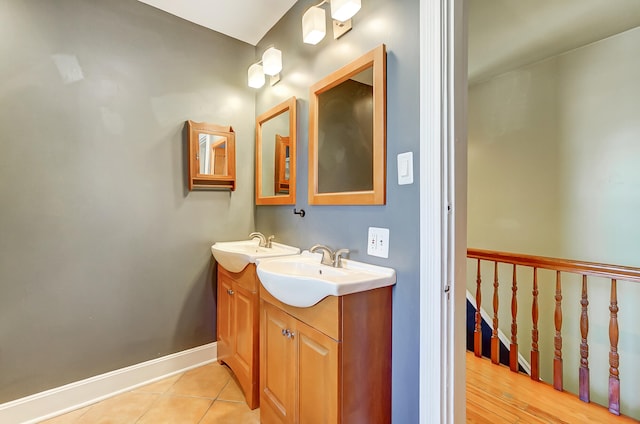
(378, 242)
(405, 168)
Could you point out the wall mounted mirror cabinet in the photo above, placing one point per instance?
(276, 155)
(212, 156)
(347, 134)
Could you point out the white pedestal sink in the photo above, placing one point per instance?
(235, 255)
(302, 281)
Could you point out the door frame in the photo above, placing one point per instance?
(443, 209)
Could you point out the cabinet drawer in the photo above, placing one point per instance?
(245, 278)
(324, 315)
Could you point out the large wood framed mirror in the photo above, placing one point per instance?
(276, 155)
(212, 156)
(347, 134)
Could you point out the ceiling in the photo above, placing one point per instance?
(503, 34)
(246, 20)
(507, 34)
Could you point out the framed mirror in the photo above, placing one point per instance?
(347, 134)
(276, 155)
(212, 156)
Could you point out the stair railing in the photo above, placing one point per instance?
(585, 269)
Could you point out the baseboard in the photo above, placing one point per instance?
(57, 401)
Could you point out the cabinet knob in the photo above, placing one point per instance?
(288, 333)
(230, 292)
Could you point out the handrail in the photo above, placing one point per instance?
(586, 269)
(567, 265)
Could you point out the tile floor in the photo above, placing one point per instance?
(204, 395)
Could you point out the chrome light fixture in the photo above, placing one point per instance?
(313, 20)
(271, 64)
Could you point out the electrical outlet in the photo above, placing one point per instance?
(378, 242)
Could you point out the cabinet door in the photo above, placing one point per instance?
(224, 321)
(317, 376)
(243, 315)
(277, 364)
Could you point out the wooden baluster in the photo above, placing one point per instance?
(513, 349)
(495, 342)
(477, 332)
(584, 346)
(614, 378)
(535, 355)
(557, 341)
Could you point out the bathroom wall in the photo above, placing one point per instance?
(552, 171)
(104, 254)
(396, 24)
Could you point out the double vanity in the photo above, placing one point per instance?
(307, 334)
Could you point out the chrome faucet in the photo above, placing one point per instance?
(263, 239)
(329, 257)
(327, 253)
(337, 257)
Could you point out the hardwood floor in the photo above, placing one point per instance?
(496, 395)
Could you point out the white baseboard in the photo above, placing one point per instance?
(63, 399)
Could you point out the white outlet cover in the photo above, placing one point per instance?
(378, 242)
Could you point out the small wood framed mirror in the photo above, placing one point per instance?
(347, 134)
(276, 155)
(212, 156)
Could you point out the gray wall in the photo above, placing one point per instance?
(396, 24)
(104, 255)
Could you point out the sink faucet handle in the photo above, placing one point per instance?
(327, 253)
(337, 257)
(269, 241)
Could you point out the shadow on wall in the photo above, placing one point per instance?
(200, 307)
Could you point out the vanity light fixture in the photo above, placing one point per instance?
(313, 20)
(313, 25)
(256, 76)
(271, 64)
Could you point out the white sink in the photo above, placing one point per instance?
(302, 281)
(235, 255)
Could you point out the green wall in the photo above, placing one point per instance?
(553, 151)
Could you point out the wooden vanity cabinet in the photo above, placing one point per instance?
(237, 327)
(329, 363)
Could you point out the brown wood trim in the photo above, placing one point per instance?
(377, 59)
(581, 267)
(288, 105)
